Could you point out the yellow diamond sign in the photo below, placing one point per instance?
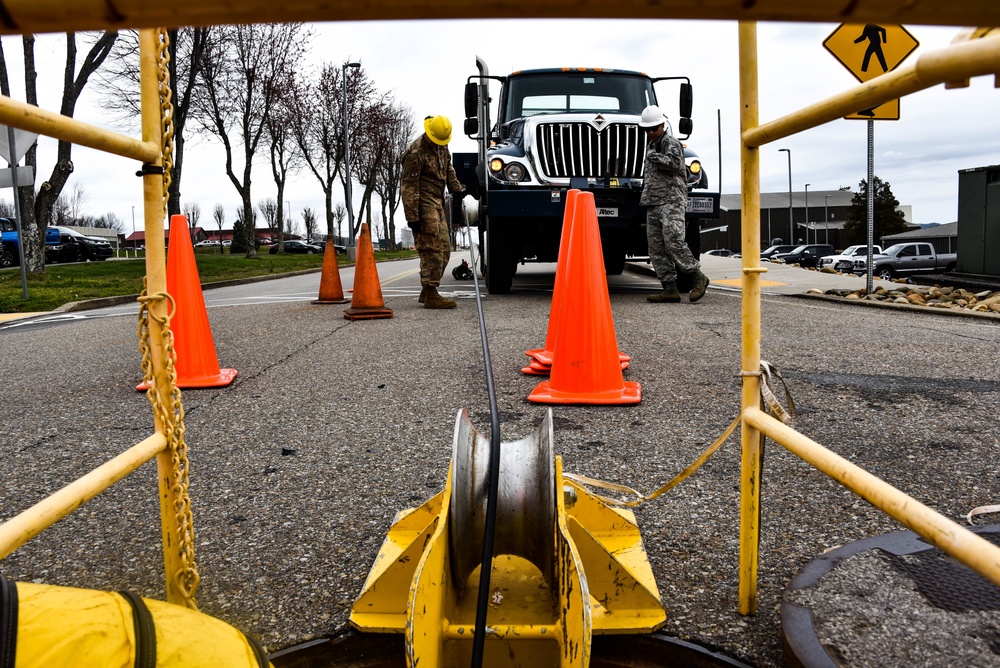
(868, 50)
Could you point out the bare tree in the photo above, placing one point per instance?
(371, 135)
(339, 213)
(75, 201)
(318, 124)
(36, 209)
(268, 208)
(109, 221)
(219, 214)
(7, 209)
(243, 68)
(395, 140)
(119, 89)
(193, 213)
(285, 154)
(309, 221)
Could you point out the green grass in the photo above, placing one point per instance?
(91, 280)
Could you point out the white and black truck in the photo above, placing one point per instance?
(557, 129)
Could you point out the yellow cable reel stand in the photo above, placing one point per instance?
(566, 565)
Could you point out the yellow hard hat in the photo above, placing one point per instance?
(438, 128)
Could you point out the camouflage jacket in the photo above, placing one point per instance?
(427, 169)
(665, 173)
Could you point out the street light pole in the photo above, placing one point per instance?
(791, 222)
(347, 157)
(815, 240)
(826, 217)
(133, 233)
(288, 216)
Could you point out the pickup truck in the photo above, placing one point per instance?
(9, 252)
(807, 255)
(844, 261)
(906, 259)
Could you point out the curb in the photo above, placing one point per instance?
(960, 313)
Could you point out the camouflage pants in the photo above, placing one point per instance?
(433, 244)
(668, 251)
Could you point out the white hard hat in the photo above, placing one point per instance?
(651, 117)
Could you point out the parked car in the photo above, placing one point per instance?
(844, 261)
(771, 251)
(806, 255)
(907, 259)
(76, 247)
(226, 243)
(206, 243)
(297, 247)
(719, 252)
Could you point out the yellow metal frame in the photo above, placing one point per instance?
(602, 584)
(29, 523)
(952, 65)
(978, 53)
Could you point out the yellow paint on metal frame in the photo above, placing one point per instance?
(603, 584)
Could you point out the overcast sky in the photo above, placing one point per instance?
(427, 63)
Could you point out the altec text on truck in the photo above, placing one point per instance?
(558, 129)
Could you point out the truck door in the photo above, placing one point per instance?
(925, 259)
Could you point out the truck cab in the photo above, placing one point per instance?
(9, 242)
(557, 129)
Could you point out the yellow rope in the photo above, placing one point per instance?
(767, 373)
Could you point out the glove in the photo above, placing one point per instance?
(413, 225)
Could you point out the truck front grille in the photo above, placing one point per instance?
(577, 149)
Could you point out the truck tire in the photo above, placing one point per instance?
(614, 260)
(7, 259)
(885, 273)
(498, 258)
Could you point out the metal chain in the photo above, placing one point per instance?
(170, 412)
(166, 113)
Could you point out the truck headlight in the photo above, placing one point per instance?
(514, 172)
(695, 167)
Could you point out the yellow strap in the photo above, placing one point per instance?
(767, 373)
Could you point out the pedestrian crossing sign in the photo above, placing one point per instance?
(888, 111)
(868, 50)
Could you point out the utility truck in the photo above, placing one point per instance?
(558, 129)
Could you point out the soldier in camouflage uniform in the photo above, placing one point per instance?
(664, 193)
(427, 169)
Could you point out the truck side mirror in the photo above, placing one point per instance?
(471, 100)
(686, 101)
(471, 126)
(685, 125)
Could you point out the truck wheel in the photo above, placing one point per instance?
(6, 257)
(498, 256)
(885, 273)
(614, 261)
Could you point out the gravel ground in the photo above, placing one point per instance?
(332, 427)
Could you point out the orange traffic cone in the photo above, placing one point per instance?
(331, 291)
(366, 302)
(196, 364)
(541, 358)
(585, 365)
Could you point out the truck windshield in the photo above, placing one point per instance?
(559, 92)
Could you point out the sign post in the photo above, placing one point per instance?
(867, 51)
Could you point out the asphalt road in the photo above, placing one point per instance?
(333, 426)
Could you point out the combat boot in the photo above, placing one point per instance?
(423, 295)
(699, 287)
(434, 300)
(669, 294)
